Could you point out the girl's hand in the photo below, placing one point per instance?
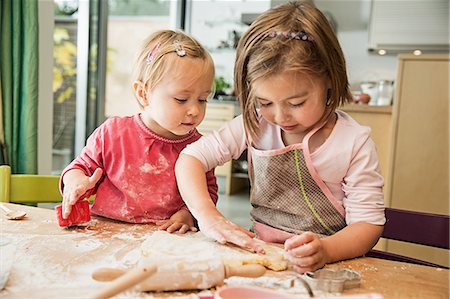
(225, 231)
(76, 184)
(182, 221)
(306, 252)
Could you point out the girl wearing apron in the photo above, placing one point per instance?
(314, 171)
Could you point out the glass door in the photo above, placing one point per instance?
(94, 46)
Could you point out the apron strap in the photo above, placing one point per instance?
(313, 172)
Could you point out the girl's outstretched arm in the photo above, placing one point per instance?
(191, 180)
(307, 252)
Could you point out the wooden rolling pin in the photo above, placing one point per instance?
(176, 274)
(127, 281)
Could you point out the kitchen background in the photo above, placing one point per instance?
(365, 29)
(94, 44)
(217, 24)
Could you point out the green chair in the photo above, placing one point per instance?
(28, 188)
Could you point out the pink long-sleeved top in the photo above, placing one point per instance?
(138, 183)
(347, 162)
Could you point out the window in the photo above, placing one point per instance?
(94, 46)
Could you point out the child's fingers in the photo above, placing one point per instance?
(164, 224)
(298, 240)
(66, 208)
(303, 261)
(69, 200)
(178, 227)
(184, 228)
(241, 239)
(174, 227)
(306, 249)
(243, 230)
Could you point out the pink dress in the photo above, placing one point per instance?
(138, 183)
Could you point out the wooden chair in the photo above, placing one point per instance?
(28, 188)
(414, 227)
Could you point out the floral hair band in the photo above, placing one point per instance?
(179, 48)
(176, 45)
(302, 35)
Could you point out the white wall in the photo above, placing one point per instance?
(361, 65)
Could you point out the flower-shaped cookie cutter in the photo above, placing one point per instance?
(331, 280)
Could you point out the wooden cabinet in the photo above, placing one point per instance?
(419, 174)
(379, 119)
(217, 113)
(413, 144)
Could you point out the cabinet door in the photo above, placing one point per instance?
(420, 168)
(216, 115)
(379, 120)
(420, 157)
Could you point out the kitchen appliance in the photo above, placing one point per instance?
(385, 92)
(370, 88)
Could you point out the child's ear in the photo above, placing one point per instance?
(140, 93)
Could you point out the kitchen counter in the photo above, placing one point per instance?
(366, 108)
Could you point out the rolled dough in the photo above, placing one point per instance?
(195, 245)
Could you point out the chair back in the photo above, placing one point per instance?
(414, 227)
(417, 227)
(28, 188)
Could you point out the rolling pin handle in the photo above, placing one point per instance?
(249, 270)
(107, 274)
(126, 281)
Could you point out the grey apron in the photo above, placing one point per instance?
(286, 197)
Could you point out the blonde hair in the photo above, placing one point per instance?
(165, 56)
(260, 56)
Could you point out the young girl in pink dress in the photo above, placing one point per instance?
(128, 162)
(314, 171)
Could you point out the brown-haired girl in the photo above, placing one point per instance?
(314, 171)
(128, 162)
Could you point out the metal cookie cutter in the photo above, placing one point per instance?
(333, 281)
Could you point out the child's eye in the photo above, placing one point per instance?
(180, 100)
(296, 104)
(203, 100)
(264, 104)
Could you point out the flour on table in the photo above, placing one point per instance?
(197, 245)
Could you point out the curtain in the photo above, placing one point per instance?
(19, 82)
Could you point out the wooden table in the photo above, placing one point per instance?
(53, 262)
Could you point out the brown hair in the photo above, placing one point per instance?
(165, 55)
(261, 56)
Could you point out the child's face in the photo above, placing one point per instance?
(293, 101)
(177, 104)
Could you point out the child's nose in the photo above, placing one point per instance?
(281, 115)
(193, 110)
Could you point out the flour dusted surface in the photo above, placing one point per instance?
(196, 245)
